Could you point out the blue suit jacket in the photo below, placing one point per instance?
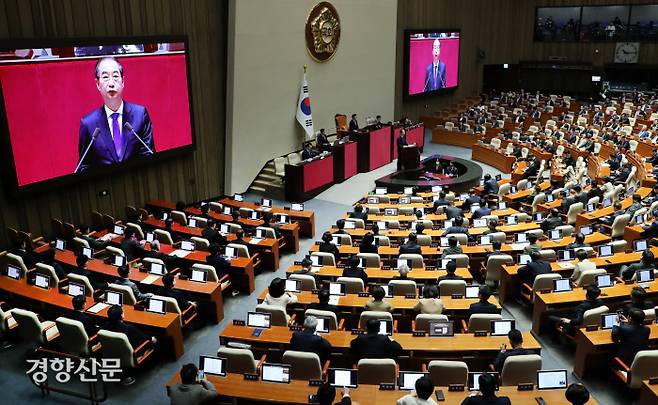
(102, 152)
(432, 83)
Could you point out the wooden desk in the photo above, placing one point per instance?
(167, 326)
(586, 218)
(210, 292)
(648, 394)
(551, 303)
(241, 391)
(377, 274)
(597, 344)
(494, 158)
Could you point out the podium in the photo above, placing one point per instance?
(409, 157)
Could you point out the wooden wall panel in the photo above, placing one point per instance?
(191, 177)
(504, 30)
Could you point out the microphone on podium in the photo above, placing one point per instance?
(97, 131)
(130, 128)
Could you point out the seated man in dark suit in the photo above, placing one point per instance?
(482, 210)
(183, 300)
(326, 246)
(483, 306)
(624, 172)
(367, 244)
(372, 345)
(470, 200)
(646, 262)
(352, 269)
(451, 270)
(579, 242)
(580, 195)
(411, 246)
(487, 395)
(124, 272)
(631, 335)
(211, 233)
(638, 301)
(155, 253)
(130, 245)
(321, 140)
(452, 249)
(81, 270)
(308, 152)
(516, 341)
(573, 322)
(359, 213)
(635, 206)
(608, 220)
(353, 125)
(453, 212)
(554, 220)
(340, 227)
(308, 341)
(239, 239)
(48, 257)
(78, 314)
(496, 247)
(566, 202)
(534, 268)
(135, 336)
(457, 227)
(326, 395)
(94, 243)
(532, 170)
(441, 201)
(221, 264)
(490, 185)
(323, 302)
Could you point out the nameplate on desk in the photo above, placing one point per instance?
(354, 244)
(386, 267)
(525, 387)
(364, 294)
(340, 266)
(418, 333)
(139, 307)
(481, 333)
(357, 332)
(295, 328)
(430, 268)
(591, 328)
(386, 387)
(315, 291)
(297, 263)
(545, 291)
(251, 377)
(410, 295)
(457, 296)
(456, 387)
(629, 281)
(315, 383)
(317, 242)
(653, 381)
(239, 322)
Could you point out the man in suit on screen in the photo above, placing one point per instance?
(118, 131)
(435, 73)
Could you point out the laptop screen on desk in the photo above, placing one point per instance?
(258, 320)
(441, 328)
(586, 230)
(555, 234)
(323, 325)
(293, 285)
(381, 190)
(278, 373)
(336, 288)
(75, 289)
(118, 229)
(609, 320)
(187, 245)
(640, 245)
(13, 272)
(566, 255)
(604, 280)
(501, 328)
(297, 207)
(551, 379)
(157, 269)
(119, 261)
(562, 285)
(605, 250)
(212, 365)
(521, 237)
(60, 244)
(474, 383)
(644, 275)
(156, 306)
(472, 291)
(343, 377)
(199, 276)
(87, 252)
(113, 297)
(524, 259)
(385, 327)
(407, 379)
(41, 280)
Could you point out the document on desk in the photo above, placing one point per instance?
(107, 237)
(333, 300)
(566, 265)
(150, 279)
(255, 241)
(180, 253)
(519, 246)
(97, 307)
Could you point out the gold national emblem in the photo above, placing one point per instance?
(322, 31)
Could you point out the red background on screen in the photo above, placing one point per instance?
(45, 101)
(420, 55)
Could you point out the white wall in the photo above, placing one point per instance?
(266, 55)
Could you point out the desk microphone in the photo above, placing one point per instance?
(129, 127)
(84, 155)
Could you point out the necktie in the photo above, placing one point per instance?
(436, 68)
(116, 132)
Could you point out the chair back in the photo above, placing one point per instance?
(378, 315)
(460, 259)
(520, 369)
(128, 295)
(73, 338)
(279, 317)
(353, 285)
(482, 322)
(238, 361)
(137, 228)
(618, 246)
(241, 250)
(376, 371)
(80, 243)
(303, 365)
(115, 251)
(644, 366)
(565, 230)
(494, 266)
(28, 326)
(270, 233)
(588, 277)
(163, 237)
(201, 243)
(89, 289)
(345, 239)
(548, 255)
(593, 316)
(328, 259)
(619, 225)
(416, 259)
(450, 287)
(179, 217)
(358, 222)
(424, 240)
(446, 372)
(117, 346)
(333, 319)
(403, 287)
(307, 281)
(208, 269)
(371, 259)
(574, 210)
(17, 261)
(423, 321)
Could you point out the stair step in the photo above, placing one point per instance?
(270, 177)
(257, 189)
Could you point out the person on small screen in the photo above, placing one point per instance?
(435, 73)
(116, 142)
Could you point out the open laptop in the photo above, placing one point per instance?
(485, 240)
(609, 320)
(187, 245)
(74, 289)
(343, 377)
(259, 320)
(381, 191)
(408, 262)
(562, 285)
(191, 222)
(473, 380)
(405, 200)
(591, 207)
(260, 233)
(316, 261)
(293, 285)
(555, 234)
(606, 202)
(566, 255)
(119, 261)
(390, 212)
(386, 327)
(254, 215)
(199, 276)
(442, 328)
(550, 198)
(238, 197)
(227, 211)
(448, 223)
(150, 237)
(604, 281)
(373, 200)
(524, 259)
(511, 220)
(522, 237)
(336, 288)
(472, 291)
(443, 241)
(502, 205)
(157, 269)
(266, 202)
(278, 373)
(443, 263)
(323, 325)
(479, 223)
(156, 306)
(605, 250)
(283, 219)
(586, 230)
(87, 252)
(538, 216)
(297, 207)
(335, 239)
(212, 365)
(349, 224)
(502, 327)
(60, 244)
(42, 281)
(118, 229)
(13, 272)
(230, 252)
(113, 297)
(551, 379)
(383, 225)
(388, 290)
(640, 245)
(407, 379)
(644, 276)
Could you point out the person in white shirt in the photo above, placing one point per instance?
(278, 296)
(582, 265)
